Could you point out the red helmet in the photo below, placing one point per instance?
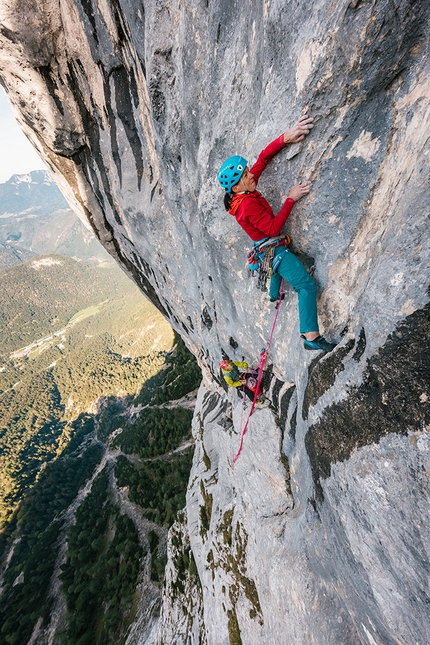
(225, 365)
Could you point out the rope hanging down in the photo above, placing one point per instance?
(263, 356)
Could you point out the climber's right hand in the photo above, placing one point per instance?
(300, 190)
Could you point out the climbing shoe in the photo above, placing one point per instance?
(318, 343)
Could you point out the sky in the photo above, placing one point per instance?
(17, 155)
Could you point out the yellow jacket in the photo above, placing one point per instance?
(231, 376)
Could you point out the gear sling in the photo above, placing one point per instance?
(263, 262)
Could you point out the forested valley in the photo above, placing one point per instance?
(96, 402)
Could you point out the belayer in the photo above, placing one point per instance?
(237, 374)
(254, 214)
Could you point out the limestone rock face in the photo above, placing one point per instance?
(320, 532)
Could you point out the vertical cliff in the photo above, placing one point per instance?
(319, 534)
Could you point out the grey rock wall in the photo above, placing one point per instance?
(320, 532)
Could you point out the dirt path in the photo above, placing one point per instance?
(143, 630)
(188, 402)
(148, 603)
(67, 518)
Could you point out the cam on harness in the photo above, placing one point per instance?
(262, 261)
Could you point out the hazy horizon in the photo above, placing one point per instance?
(17, 155)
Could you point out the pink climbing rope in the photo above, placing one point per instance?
(263, 356)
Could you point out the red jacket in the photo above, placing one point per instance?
(252, 211)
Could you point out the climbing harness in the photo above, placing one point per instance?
(262, 261)
(263, 357)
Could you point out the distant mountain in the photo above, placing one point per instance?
(36, 192)
(11, 255)
(35, 219)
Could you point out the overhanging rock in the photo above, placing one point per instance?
(320, 532)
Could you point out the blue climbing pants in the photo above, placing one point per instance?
(293, 272)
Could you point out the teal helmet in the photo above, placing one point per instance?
(231, 171)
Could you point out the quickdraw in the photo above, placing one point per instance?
(262, 261)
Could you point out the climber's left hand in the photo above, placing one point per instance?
(299, 130)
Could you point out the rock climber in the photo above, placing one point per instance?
(237, 374)
(254, 214)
